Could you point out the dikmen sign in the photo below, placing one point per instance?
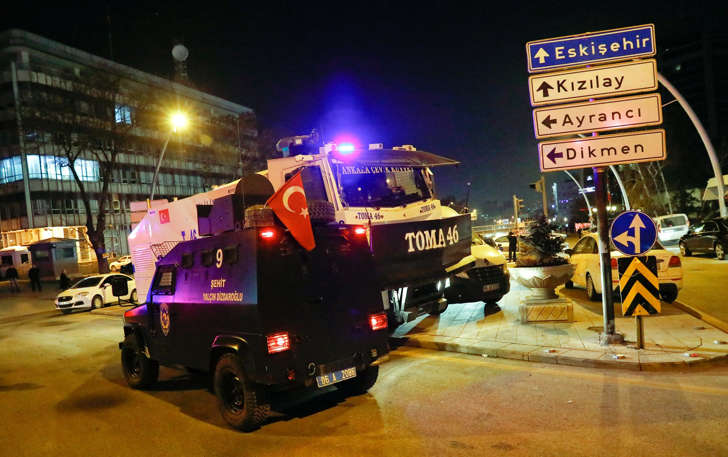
(598, 116)
(597, 82)
(631, 147)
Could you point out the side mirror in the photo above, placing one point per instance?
(569, 251)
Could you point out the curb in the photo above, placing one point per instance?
(557, 356)
(702, 315)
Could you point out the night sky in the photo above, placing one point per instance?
(448, 77)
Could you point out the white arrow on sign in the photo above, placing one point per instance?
(598, 116)
(628, 147)
(624, 239)
(541, 55)
(596, 82)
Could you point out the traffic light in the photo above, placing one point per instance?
(517, 207)
(538, 186)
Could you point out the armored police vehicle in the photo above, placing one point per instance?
(245, 302)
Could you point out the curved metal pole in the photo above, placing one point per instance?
(625, 199)
(581, 191)
(156, 170)
(703, 136)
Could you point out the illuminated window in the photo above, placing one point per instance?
(11, 170)
(122, 114)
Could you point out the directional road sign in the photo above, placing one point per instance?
(598, 151)
(578, 50)
(633, 233)
(597, 82)
(598, 116)
(639, 286)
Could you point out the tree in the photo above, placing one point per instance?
(87, 117)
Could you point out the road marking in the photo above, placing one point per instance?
(517, 366)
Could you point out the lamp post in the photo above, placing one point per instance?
(178, 121)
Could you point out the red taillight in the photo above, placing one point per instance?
(378, 321)
(360, 230)
(278, 342)
(267, 234)
(674, 261)
(614, 264)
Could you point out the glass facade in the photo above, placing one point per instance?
(47, 167)
(11, 170)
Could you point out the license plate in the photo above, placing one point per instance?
(335, 376)
(490, 287)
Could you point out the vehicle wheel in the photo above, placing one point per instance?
(362, 383)
(669, 296)
(133, 297)
(241, 402)
(321, 211)
(684, 251)
(569, 285)
(97, 302)
(493, 301)
(590, 290)
(438, 308)
(139, 370)
(719, 250)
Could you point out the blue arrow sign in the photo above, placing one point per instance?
(633, 233)
(577, 50)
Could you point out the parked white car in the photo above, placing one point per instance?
(585, 256)
(120, 262)
(672, 227)
(94, 292)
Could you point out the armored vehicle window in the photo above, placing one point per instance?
(164, 281)
(230, 254)
(188, 260)
(313, 182)
(208, 258)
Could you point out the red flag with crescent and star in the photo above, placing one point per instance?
(290, 205)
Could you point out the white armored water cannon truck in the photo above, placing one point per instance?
(389, 193)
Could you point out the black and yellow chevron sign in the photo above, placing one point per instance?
(639, 286)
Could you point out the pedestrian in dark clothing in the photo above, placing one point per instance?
(512, 246)
(64, 281)
(11, 274)
(34, 275)
(578, 233)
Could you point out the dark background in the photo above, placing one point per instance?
(448, 77)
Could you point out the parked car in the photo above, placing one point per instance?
(488, 280)
(120, 262)
(672, 227)
(585, 255)
(709, 237)
(94, 292)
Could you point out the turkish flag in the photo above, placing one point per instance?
(290, 205)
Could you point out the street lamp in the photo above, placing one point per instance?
(178, 121)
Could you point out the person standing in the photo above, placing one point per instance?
(512, 246)
(64, 282)
(34, 276)
(11, 274)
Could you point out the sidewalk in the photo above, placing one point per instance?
(672, 339)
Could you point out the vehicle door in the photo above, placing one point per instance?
(162, 319)
(106, 289)
(709, 236)
(692, 241)
(583, 250)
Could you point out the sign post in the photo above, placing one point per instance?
(625, 72)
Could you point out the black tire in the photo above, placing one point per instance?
(97, 303)
(438, 308)
(493, 301)
(591, 291)
(719, 251)
(241, 402)
(684, 250)
(669, 295)
(569, 284)
(321, 211)
(362, 383)
(139, 370)
(133, 297)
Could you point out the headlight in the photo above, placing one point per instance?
(82, 294)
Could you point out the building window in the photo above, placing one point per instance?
(51, 167)
(11, 170)
(122, 114)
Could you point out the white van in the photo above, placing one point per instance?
(672, 227)
(16, 256)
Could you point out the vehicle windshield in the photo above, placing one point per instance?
(88, 282)
(382, 186)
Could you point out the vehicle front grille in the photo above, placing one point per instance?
(487, 275)
(64, 298)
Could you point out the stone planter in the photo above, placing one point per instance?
(543, 280)
(543, 304)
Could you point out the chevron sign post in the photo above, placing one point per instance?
(640, 290)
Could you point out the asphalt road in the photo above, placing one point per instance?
(705, 285)
(62, 393)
